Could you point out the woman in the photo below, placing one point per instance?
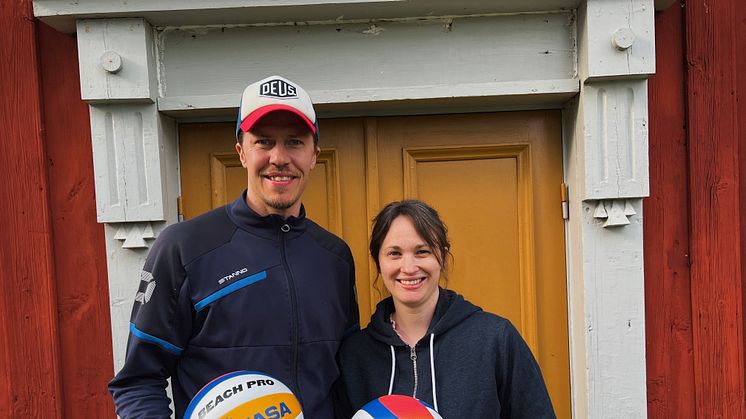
(430, 343)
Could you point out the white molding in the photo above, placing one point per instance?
(135, 235)
(599, 22)
(607, 311)
(124, 266)
(615, 212)
(131, 140)
(61, 14)
(606, 170)
(403, 60)
(128, 163)
(516, 93)
(615, 139)
(118, 63)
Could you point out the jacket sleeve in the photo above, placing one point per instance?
(342, 406)
(521, 389)
(340, 399)
(159, 329)
(353, 315)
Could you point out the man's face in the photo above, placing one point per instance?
(278, 154)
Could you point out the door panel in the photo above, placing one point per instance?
(494, 178)
(445, 177)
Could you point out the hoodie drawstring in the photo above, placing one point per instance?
(432, 370)
(393, 368)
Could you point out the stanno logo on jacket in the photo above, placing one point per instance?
(228, 277)
(147, 286)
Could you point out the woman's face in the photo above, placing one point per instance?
(409, 267)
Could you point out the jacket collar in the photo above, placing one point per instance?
(270, 226)
(450, 310)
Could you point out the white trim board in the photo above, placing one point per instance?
(61, 14)
(542, 94)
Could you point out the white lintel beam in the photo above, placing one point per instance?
(61, 14)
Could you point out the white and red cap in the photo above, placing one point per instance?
(274, 93)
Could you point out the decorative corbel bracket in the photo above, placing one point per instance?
(616, 56)
(118, 80)
(135, 235)
(615, 212)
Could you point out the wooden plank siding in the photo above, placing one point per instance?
(740, 32)
(79, 245)
(715, 216)
(55, 334)
(670, 366)
(31, 386)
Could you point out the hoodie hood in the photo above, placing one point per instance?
(450, 310)
(469, 364)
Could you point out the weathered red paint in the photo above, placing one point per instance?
(740, 34)
(715, 221)
(31, 380)
(80, 274)
(670, 366)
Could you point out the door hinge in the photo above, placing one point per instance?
(565, 205)
(180, 209)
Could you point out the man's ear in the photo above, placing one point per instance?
(316, 152)
(241, 156)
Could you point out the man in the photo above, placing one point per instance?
(253, 285)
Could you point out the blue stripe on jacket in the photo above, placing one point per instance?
(230, 289)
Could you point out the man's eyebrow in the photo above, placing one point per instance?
(258, 133)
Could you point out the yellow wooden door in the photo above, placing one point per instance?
(495, 179)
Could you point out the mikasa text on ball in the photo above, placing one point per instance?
(245, 395)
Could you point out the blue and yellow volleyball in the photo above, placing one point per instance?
(244, 394)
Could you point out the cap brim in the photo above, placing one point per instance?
(250, 120)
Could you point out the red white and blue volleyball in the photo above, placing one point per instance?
(396, 407)
(244, 394)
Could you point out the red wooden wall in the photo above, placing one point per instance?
(670, 367)
(693, 225)
(55, 339)
(86, 360)
(712, 119)
(31, 382)
(740, 33)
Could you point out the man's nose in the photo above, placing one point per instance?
(279, 156)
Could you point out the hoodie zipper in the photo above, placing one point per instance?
(413, 357)
(294, 309)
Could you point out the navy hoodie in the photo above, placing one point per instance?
(482, 367)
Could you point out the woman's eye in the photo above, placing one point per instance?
(423, 252)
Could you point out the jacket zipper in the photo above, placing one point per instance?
(413, 357)
(294, 309)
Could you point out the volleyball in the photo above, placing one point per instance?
(396, 407)
(244, 394)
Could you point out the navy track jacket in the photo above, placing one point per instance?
(231, 290)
